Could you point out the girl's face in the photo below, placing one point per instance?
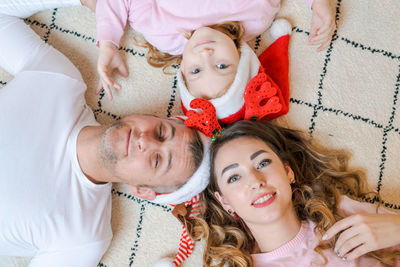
(253, 181)
(209, 63)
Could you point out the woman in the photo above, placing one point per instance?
(283, 202)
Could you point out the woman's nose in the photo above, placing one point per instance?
(256, 179)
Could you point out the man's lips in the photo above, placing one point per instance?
(264, 200)
(128, 141)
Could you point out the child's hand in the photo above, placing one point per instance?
(91, 4)
(109, 59)
(322, 24)
(362, 233)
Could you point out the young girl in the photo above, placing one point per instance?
(276, 200)
(176, 34)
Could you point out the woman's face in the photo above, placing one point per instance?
(253, 181)
(209, 63)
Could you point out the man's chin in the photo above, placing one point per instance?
(108, 146)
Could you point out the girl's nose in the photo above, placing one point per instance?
(207, 51)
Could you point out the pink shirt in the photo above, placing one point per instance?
(300, 250)
(161, 22)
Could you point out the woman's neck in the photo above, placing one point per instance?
(275, 234)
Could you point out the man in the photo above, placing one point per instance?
(57, 162)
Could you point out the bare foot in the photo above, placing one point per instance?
(91, 4)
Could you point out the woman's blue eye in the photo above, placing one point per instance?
(222, 66)
(233, 179)
(196, 70)
(263, 163)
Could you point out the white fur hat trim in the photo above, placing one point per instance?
(165, 262)
(232, 101)
(195, 185)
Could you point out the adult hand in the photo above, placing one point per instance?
(322, 24)
(109, 59)
(362, 233)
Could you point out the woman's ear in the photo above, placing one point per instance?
(222, 201)
(290, 174)
(182, 68)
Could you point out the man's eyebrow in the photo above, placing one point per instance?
(255, 154)
(232, 166)
(173, 129)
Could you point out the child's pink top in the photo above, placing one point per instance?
(300, 250)
(161, 22)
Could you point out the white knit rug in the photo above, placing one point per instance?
(346, 96)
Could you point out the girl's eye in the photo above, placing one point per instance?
(233, 179)
(263, 163)
(195, 71)
(222, 66)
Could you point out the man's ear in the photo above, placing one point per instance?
(222, 201)
(143, 192)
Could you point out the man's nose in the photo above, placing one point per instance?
(145, 142)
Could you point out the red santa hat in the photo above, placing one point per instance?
(273, 62)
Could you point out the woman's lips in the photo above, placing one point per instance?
(264, 200)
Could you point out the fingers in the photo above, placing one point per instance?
(324, 45)
(349, 240)
(123, 70)
(339, 226)
(357, 252)
(107, 83)
(321, 36)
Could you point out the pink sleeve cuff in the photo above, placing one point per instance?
(111, 18)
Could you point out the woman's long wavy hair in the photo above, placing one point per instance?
(322, 176)
(159, 59)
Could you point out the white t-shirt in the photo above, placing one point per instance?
(48, 208)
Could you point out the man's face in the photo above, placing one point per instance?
(147, 151)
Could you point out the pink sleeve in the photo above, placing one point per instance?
(111, 17)
(309, 3)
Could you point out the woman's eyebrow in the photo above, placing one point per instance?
(255, 154)
(234, 165)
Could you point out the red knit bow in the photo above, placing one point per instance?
(204, 121)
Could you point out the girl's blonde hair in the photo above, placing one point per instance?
(322, 176)
(159, 59)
